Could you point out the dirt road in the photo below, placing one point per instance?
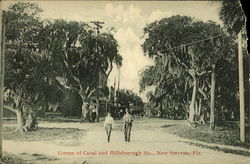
(149, 144)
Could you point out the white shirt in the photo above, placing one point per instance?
(109, 120)
(127, 118)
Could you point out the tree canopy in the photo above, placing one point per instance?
(185, 52)
(232, 15)
(44, 58)
(128, 97)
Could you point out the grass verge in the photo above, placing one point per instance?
(221, 135)
(25, 158)
(42, 134)
(10, 158)
(217, 148)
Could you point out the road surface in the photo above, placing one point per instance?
(149, 144)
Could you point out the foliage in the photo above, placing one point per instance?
(179, 64)
(79, 51)
(28, 71)
(232, 15)
(127, 97)
(234, 20)
(45, 58)
(83, 60)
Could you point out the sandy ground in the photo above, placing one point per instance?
(149, 144)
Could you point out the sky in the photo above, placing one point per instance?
(128, 18)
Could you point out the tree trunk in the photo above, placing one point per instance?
(85, 111)
(241, 89)
(247, 84)
(199, 107)
(161, 110)
(201, 120)
(20, 119)
(97, 110)
(2, 56)
(200, 116)
(196, 107)
(192, 104)
(212, 100)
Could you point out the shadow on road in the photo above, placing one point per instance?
(167, 126)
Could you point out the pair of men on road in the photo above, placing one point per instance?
(127, 125)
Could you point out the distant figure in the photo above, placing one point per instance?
(127, 125)
(108, 125)
(94, 111)
(120, 114)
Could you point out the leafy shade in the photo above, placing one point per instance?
(232, 15)
(179, 71)
(126, 97)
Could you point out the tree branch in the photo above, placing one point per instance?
(10, 108)
(203, 93)
(191, 52)
(68, 87)
(92, 92)
(203, 72)
(73, 88)
(79, 84)
(191, 72)
(87, 90)
(179, 61)
(111, 68)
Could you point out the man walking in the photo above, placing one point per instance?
(108, 125)
(127, 125)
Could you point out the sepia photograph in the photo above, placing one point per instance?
(124, 82)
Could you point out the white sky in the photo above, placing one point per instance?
(128, 18)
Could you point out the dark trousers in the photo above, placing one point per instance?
(108, 129)
(127, 130)
(93, 116)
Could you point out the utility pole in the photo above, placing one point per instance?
(98, 26)
(119, 78)
(241, 89)
(2, 51)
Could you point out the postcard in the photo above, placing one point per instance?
(130, 82)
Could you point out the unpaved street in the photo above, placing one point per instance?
(149, 144)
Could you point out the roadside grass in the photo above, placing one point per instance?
(217, 148)
(42, 134)
(227, 135)
(37, 157)
(25, 158)
(10, 158)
